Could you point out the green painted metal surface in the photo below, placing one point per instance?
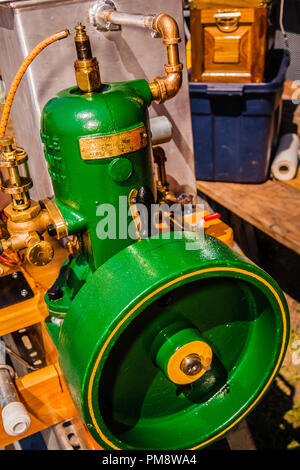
(127, 306)
(126, 401)
(80, 186)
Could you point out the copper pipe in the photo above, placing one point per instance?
(165, 88)
(162, 88)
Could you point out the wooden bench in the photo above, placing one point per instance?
(272, 207)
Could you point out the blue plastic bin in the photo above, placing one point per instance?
(236, 125)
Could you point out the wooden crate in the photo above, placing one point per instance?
(228, 45)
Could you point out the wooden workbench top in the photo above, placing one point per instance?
(273, 207)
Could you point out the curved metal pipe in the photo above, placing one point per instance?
(165, 88)
(162, 88)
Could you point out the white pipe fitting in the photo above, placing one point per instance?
(15, 418)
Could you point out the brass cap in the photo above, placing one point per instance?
(86, 66)
(39, 253)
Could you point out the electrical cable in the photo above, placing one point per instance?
(19, 75)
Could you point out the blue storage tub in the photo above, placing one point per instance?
(236, 125)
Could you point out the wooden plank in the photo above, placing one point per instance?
(295, 183)
(272, 207)
(46, 399)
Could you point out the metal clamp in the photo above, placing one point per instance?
(97, 21)
(9, 369)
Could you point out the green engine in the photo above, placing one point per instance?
(164, 343)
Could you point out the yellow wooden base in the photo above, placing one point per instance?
(33, 310)
(46, 398)
(43, 392)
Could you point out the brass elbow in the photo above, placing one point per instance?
(162, 88)
(165, 88)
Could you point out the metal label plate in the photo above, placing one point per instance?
(113, 145)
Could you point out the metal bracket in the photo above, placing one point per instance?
(8, 369)
(14, 288)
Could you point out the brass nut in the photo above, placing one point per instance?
(22, 216)
(87, 74)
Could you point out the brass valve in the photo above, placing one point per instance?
(86, 66)
(27, 220)
(16, 185)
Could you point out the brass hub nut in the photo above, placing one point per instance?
(87, 74)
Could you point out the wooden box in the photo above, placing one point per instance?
(228, 45)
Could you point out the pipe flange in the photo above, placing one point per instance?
(173, 68)
(170, 41)
(9, 369)
(26, 184)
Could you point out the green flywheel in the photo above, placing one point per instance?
(168, 347)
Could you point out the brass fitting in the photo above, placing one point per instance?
(27, 220)
(87, 75)
(165, 88)
(164, 194)
(162, 88)
(16, 185)
(86, 67)
(160, 160)
(26, 229)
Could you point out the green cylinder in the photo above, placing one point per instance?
(98, 148)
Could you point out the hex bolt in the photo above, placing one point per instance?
(24, 292)
(15, 275)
